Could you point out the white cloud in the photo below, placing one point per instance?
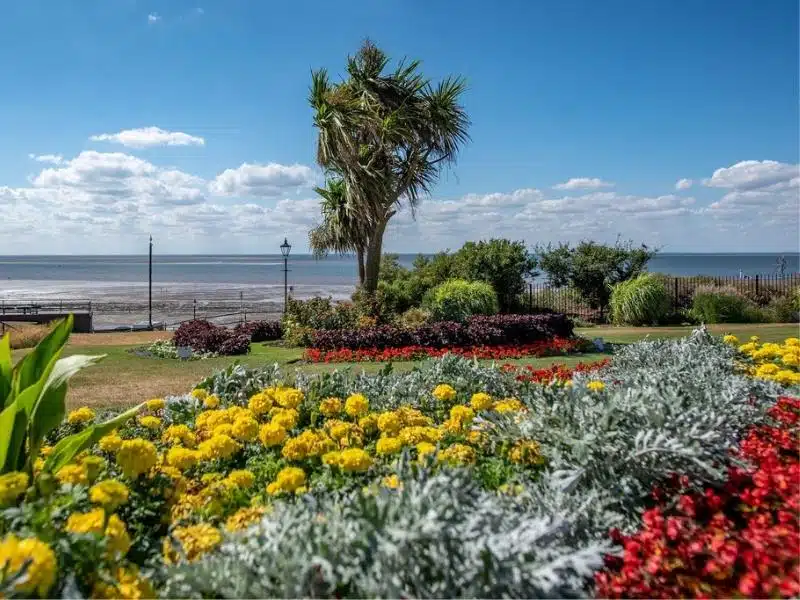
(683, 184)
(268, 180)
(55, 159)
(755, 175)
(200, 11)
(583, 183)
(153, 18)
(149, 137)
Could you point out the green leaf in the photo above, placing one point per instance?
(7, 418)
(5, 370)
(33, 366)
(65, 450)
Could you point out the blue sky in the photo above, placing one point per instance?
(189, 120)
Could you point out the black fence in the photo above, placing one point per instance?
(761, 289)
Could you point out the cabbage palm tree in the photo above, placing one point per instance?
(387, 135)
(341, 231)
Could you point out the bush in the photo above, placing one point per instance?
(322, 313)
(202, 336)
(458, 299)
(413, 318)
(261, 331)
(477, 331)
(782, 309)
(712, 304)
(640, 301)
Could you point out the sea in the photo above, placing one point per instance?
(181, 283)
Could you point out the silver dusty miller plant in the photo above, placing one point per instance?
(440, 536)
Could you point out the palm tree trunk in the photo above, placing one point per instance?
(373, 262)
(361, 272)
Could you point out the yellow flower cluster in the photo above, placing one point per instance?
(117, 538)
(155, 404)
(356, 405)
(136, 456)
(290, 479)
(774, 362)
(596, 386)
(129, 586)
(244, 517)
(12, 486)
(150, 422)
(34, 556)
(526, 452)
(193, 540)
(80, 416)
(444, 392)
(110, 494)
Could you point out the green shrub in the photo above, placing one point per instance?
(782, 309)
(642, 300)
(712, 304)
(321, 313)
(414, 317)
(457, 299)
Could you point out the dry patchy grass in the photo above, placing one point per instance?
(118, 338)
(26, 335)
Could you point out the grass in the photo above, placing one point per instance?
(123, 379)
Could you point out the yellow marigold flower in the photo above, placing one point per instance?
(110, 494)
(731, 339)
(117, 536)
(240, 478)
(150, 422)
(786, 377)
(444, 392)
(224, 429)
(245, 429)
(211, 401)
(389, 445)
(767, 370)
(526, 452)
(748, 348)
(507, 405)
(272, 434)
(475, 437)
(136, 456)
(182, 458)
(155, 404)
(93, 465)
(480, 401)
(72, 474)
(130, 586)
(791, 359)
(179, 434)
(244, 517)
(411, 417)
(354, 459)
(754, 338)
(331, 458)
(199, 394)
(110, 442)
(792, 342)
(330, 407)
(389, 423)
(286, 418)
(411, 436)
(289, 479)
(260, 403)
(290, 398)
(392, 482)
(356, 405)
(596, 386)
(424, 448)
(300, 447)
(218, 447)
(12, 486)
(462, 415)
(510, 490)
(33, 556)
(194, 540)
(457, 454)
(339, 430)
(82, 415)
(368, 424)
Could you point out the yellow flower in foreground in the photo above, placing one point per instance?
(290, 398)
(792, 342)
(289, 479)
(40, 572)
(457, 454)
(596, 386)
(368, 423)
(136, 456)
(356, 405)
(389, 445)
(507, 405)
(272, 434)
(182, 458)
(219, 446)
(354, 459)
(72, 474)
(110, 494)
(766, 370)
(199, 394)
(425, 448)
(480, 401)
(150, 422)
(82, 415)
(786, 377)
(111, 442)
(130, 586)
(444, 392)
(12, 486)
(260, 403)
(410, 436)
(245, 428)
(330, 407)
(155, 404)
(285, 417)
(194, 540)
(731, 339)
(392, 482)
(244, 517)
(240, 478)
(92, 522)
(211, 401)
(389, 423)
(526, 453)
(179, 434)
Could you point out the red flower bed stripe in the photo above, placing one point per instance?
(741, 540)
(531, 374)
(554, 347)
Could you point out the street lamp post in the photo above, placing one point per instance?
(286, 247)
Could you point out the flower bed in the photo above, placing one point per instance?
(497, 330)
(554, 347)
(452, 480)
(558, 372)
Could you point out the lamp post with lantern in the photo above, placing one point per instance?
(286, 247)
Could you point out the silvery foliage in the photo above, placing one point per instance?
(441, 536)
(238, 382)
(669, 407)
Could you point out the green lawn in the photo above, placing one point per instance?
(123, 378)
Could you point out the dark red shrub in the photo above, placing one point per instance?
(742, 540)
(235, 344)
(261, 331)
(202, 336)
